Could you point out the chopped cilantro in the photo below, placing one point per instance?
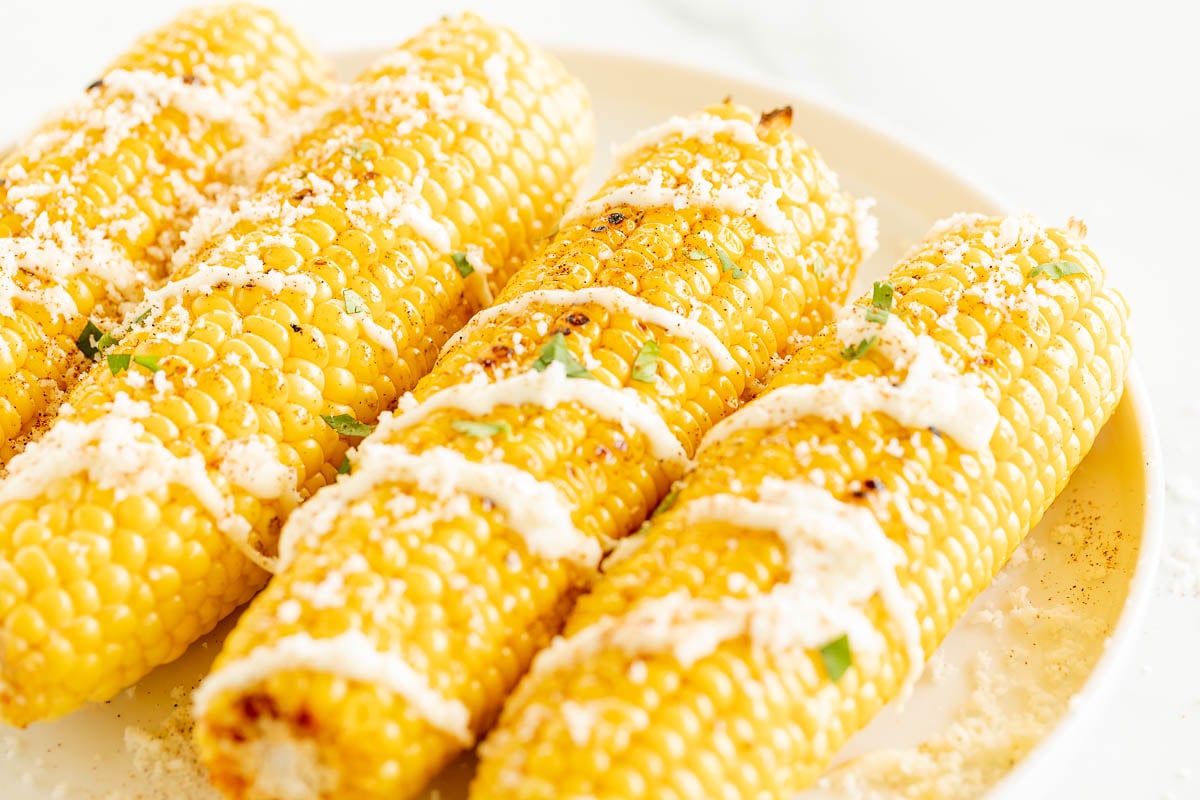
(857, 351)
(344, 467)
(357, 151)
(347, 425)
(355, 303)
(556, 351)
(93, 341)
(149, 362)
(667, 502)
(479, 429)
(645, 366)
(837, 657)
(727, 265)
(107, 340)
(89, 341)
(461, 264)
(119, 362)
(881, 302)
(1057, 270)
(697, 255)
(818, 265)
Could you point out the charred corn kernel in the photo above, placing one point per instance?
(177, 449)
(831, 533)
(415, 592)
(93, 205)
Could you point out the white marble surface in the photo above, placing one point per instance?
(1058, 107)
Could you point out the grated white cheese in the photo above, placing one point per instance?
(616, 300)
(932, 394)
(350, 655)
(50, 255)
(253, 464)
(405, 208)
(495, 69)
(196, 100)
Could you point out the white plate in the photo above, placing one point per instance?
(1052, 665)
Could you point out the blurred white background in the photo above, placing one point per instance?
(1056, 107)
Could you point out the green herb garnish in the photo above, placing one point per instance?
(357, 151)
(837, 658)
(89, 341)
(556, 351)
(119, 362)
(667, 502)
(1056, 270)
(149, 362)
(645, 366)
(347, 425)
(697, 255)
(355, 302)
(344, 467)
(857, 351)
(93, 341)
(818, 265)
(461, 264)
(881, 303)
(478, 429)
(727, 265)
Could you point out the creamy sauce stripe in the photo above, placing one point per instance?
(932, 394)
(115, 452)
(615, 300)
(737, 200)
(535, 509)
(838, 557)
(548, 389)
(350, 655)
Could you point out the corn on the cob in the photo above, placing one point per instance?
(831, 533)
(415, 592)
(93, 204)
(134, 524)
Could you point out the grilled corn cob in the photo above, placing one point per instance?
(93, 204)
(142, 517)
(831, 533)
(415, 592)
